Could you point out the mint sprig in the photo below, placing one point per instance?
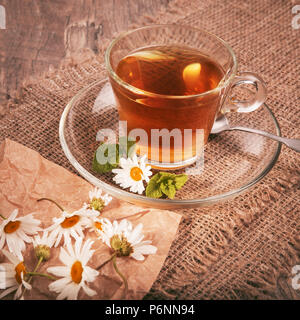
(165, 184)
(112, 152)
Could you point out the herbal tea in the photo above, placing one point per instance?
(175, 71)
(164, 75)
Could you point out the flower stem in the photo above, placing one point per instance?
(60, 207)
(41, 275)
(121, 275)
(104, 263)
(38, 264)
(35, 269)
(1, 216)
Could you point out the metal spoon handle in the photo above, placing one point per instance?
(291, 143)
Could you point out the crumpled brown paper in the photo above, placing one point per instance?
(25, 176)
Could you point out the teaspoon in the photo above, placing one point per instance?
(222, 124)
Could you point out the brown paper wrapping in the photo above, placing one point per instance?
(25, 176)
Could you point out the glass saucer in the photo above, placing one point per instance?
(233, 162)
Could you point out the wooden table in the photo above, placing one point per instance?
(40, 33)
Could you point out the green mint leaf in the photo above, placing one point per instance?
(110, 153)
(165, 176)
(180, 180)
(126, 146)
(168, 189)
(153, 188)
(165, 183)
(130, 148)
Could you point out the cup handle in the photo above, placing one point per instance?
(258, 98)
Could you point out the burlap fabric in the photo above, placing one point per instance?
(244, 248)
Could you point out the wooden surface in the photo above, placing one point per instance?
(40, 33)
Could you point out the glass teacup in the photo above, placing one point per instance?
(170, 83)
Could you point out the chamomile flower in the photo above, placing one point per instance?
(75, 272)
(45, 240)
(68, 225)
(97, 200)
(97, 224)
(14, 231)
(132, 173)
(42, 245)
(126, 241)
(12, 276)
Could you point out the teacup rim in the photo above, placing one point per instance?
(222, 84)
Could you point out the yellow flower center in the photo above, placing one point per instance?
(19, 269)
(70, 222)
(136, 173)
(12, 226)
(98, 225)
(121, 246)
(76, 272)
(97, 204)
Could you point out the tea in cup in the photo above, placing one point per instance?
(170, 83)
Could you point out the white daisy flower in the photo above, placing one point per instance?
(68, 225)
(75, 273)
(97, 194)
(125, 240)
(132, 173)
(96, 224)
(97, 200)
(12, 276)
(14, 231)
(42, 245)
(45, 240)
